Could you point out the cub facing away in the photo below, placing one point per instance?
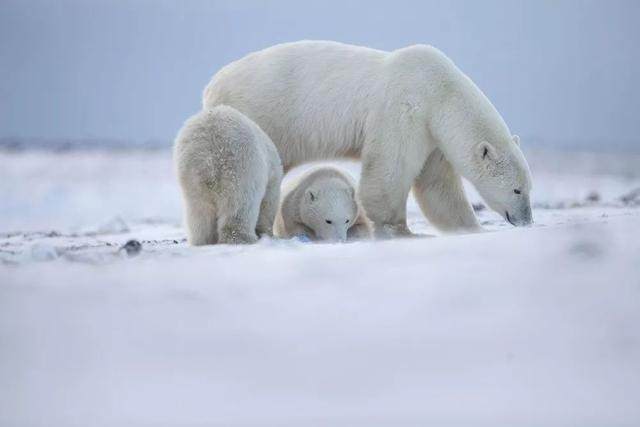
(229, 172)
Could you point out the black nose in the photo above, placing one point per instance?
(524, 220)
(509, 219)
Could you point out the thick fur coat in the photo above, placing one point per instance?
(412, 117)
(230, 173)
(322, 205)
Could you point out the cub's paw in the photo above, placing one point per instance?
(302, 238)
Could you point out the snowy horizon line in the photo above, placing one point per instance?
(13, 143)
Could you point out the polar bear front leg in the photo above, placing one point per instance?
(440, 194)
(384, 188)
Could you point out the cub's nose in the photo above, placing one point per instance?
(340, 237)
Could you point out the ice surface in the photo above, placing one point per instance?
(512, 327)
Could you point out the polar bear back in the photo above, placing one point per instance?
(310, 97)
(219, 145)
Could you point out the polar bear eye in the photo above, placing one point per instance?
(346, 222)
(328, 221)
(517, 191)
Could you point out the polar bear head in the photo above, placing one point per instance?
(329, 210)
(501, 175)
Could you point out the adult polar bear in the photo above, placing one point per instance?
(411, 115)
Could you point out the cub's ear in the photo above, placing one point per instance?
(485, 151)
(352, 192)
(516, 140)
(310, 196)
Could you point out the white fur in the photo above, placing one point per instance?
(411, 115)
(230, 173)
(322, 205)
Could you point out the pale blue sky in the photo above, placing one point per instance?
(562, 73)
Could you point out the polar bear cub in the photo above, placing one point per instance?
(230, 173)
(321, 205)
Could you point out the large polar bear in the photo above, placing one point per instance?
(411, 115)
(321, 205)
(230, 173)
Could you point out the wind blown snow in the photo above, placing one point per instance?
(527, 327)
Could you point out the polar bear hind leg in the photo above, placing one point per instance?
(269, 207)
(201, 222)
(236, 227)
(238, 214)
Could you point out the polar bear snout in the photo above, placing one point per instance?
(521, 217)
(332, 234)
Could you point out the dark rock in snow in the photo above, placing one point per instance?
(632, 198)
(593, 197)
(132, 247)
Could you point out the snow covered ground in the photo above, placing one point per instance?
(513, 327)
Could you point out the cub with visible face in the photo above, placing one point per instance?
(321, 205)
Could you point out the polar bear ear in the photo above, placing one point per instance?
(516, 140)
(352, 192)
(310, 196)
(485, 151)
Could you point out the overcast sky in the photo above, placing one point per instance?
(561, 72)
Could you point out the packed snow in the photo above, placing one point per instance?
(512, 327)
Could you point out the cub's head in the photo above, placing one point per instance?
(329, 211)
(501, 175)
